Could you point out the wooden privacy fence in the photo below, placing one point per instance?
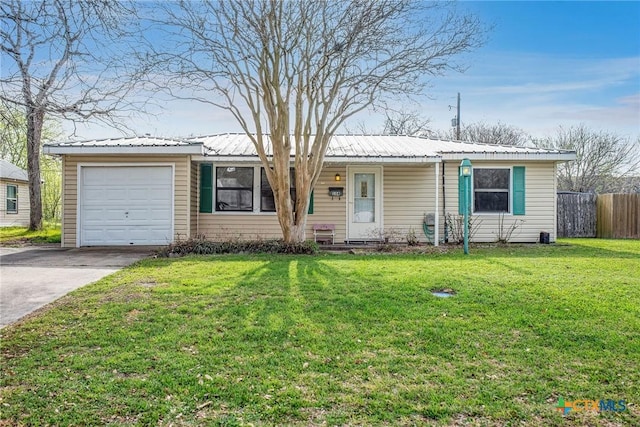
(576, 214)
(618, 216)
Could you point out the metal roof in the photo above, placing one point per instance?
(342, 148)
(391, 147)
(128, 145)
(11, 171)
(146, 141)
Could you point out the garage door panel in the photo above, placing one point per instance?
(157, 234)
(94, 215)
(125, 205)
(158, 216)
(152, 192)
(118, 236)
(93, 196)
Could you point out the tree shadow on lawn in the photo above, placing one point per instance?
(332, 339)
(285, 339)
(296, 335)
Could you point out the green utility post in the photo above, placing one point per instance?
(465, 174)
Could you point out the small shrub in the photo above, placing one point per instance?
(455, 227)
(505, 232)
(201, 246)
(384, 236)
(412, 239)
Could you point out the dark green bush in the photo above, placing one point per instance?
(200, 246)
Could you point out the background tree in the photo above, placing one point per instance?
(296, 70)
(12, 129)
(396, 122)
(404, 122)
(51, 174)
(604, 161)
(499, 133)
(13, 134)
(65, 59)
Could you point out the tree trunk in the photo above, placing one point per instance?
(293, 224)
(294, 233)
(35, 120)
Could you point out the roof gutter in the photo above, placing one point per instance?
(327, 159)
(510, 156)
(195, 148)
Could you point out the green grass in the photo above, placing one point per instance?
(338, 340)
(21, 235)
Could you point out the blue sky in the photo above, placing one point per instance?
(548, 64)
(545, 64)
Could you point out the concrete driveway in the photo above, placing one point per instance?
(31, 277)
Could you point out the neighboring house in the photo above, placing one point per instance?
(149, 191)
(14, 191)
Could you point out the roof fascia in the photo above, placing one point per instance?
(153, 149)
(327, 159)
(510, 156)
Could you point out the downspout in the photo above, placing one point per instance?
(444, 204)
(197, 201)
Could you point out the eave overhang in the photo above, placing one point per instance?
(193, 149)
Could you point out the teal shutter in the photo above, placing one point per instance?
(310, 211)
(206, 188)
(460, 193)
(518, 190)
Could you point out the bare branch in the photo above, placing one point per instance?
(301, 68)
(499, 133)
(66, 59)
(605, 162)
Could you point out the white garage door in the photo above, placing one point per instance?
(126, 205)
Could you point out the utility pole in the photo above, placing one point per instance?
(456, 120)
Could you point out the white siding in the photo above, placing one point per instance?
(246, 226)
(408, 195)
(540, 203)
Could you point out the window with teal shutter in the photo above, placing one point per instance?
(206, 188)
(518, 190)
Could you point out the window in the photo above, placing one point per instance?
(12, 199)
(491, 190)
(234, 189)
(239, 189)
(267, 202)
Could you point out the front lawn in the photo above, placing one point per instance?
(338, 340)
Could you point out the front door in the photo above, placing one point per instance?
(365, 203)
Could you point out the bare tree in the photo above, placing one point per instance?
(296, 70)
(602, 159)
(404, 122)
(61, 61)
(499, 133)
(396, 122)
